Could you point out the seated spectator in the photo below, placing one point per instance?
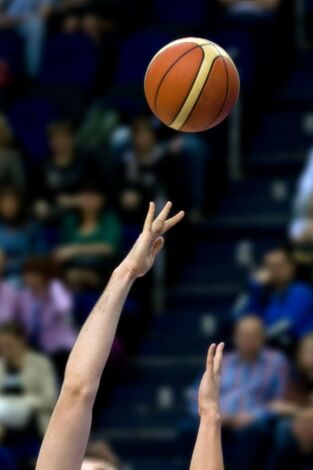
(27, 396)
(11, 170)
(253, 376)
(285, 304)
(93, 17)
(62, 174)
(19, 237)
(301, 388)
(91, 239)
(298, 400)
(28, 18)
(297, 454)
(100, 456)
(151, 169)
(8, 296)
(45, 311)
(301, 226)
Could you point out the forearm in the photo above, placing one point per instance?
(208, 453)
(93, 345)
(68, 432)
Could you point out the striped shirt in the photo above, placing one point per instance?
(249, 387)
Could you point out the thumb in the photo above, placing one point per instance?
(158, 245)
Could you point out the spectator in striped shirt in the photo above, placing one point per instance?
(253, 376)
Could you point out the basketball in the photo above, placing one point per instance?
(191, 84)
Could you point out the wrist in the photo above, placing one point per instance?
(210, 413)
(125, 273)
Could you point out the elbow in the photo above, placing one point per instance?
(75, 390)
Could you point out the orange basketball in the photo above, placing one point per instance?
(191, 84)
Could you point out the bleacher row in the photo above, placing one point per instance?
(143, 419)
(254, 212)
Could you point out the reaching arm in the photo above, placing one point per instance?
(207, 454)
(67, 435)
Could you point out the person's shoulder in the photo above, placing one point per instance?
(7, 288)
(38, 360)
(230, 358)
(301, 288)
(274, 356)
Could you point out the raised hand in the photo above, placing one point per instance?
(209, 390)
(142, 256)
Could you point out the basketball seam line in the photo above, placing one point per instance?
(190, 88)
(200, 93)
(227, 84)
(169, 69)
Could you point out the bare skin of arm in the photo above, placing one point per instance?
(67, 435)
(207, 454)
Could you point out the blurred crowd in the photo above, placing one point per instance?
(79, 160)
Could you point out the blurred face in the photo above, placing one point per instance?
(91, 464)
(305, 357)
(303, 428)
(280, 268)
(10, 347)
(61, 143)
(10, 206)
(35, 282)
(144, 138)
(92, 202)
(249, 337)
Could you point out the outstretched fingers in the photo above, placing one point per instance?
(157, 226)
(161, 224)
(150, 217)
(210, 359)
(218, 359)
(168, 224)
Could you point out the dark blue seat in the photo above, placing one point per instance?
(238, 45)
(29, 118)
(70, 60)
(181, 12)
(136, 52)
(11, 51)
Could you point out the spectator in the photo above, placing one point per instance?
(299, 399)
(301, 389)
(91, 239)
(93, 17)
(297, 454)
(45, 311)
(305, 187)
(150, 169)
(8, 296)
(28, 18)
(253, 376)
(11, 170)
(27, 394)
(285, 304)
(19, 237)
(62, 174)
